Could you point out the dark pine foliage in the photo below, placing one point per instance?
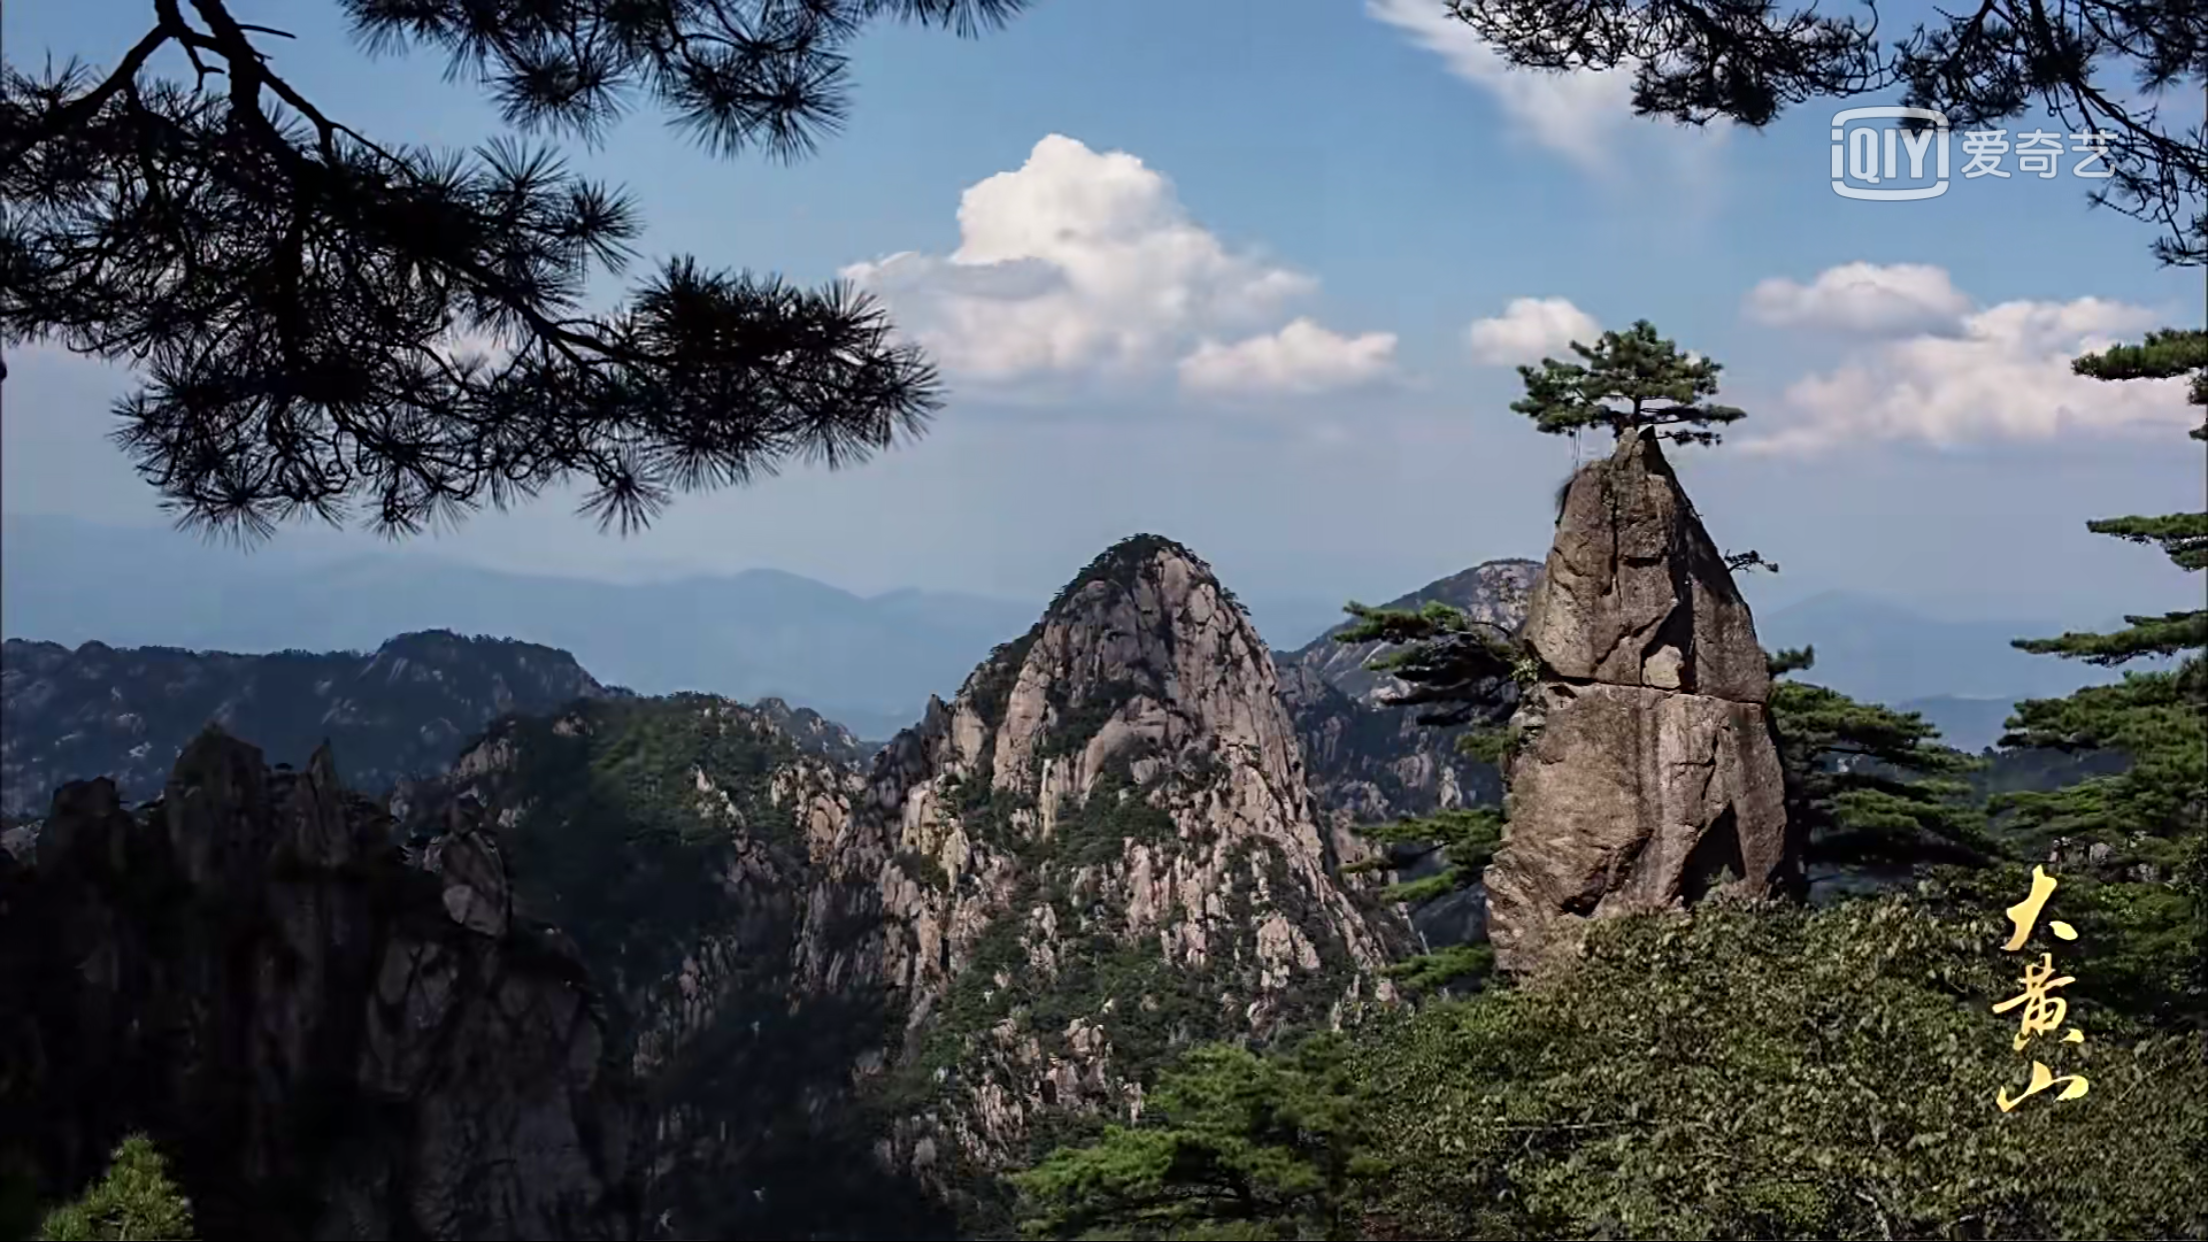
(2136, 837)
(1625, 380)
(1867, 785)
(329, 323)
(2106, 66)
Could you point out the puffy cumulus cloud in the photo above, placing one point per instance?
(1863, 298)
(1582, 116)
(1299, 359)
(2004, 374)
(1530, 329)
(1082, 261)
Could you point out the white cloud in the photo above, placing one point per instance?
(2003, 375)
(1299, 359)
(1086, 262)
(1863, 298)
(1530, 329)
(1582, 115)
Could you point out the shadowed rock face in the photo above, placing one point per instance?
(328, 1041)
(1649, 779)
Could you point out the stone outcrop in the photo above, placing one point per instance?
(1635, 594)
(1648, 778)
(1102, 849)
(328, 1041)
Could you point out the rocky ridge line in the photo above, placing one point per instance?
(402, 711)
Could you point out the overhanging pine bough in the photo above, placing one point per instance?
(326, 324)
(2101, 66)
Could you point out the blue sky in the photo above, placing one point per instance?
(1251, 273)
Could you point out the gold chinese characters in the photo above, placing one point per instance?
(2041, 1011)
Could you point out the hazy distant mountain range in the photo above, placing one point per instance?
(869, 663)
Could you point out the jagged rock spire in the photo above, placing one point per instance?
(1649, 773)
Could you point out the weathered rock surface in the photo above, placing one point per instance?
(1102, 849)
(1649, 778)
(329, 1042)
(1636, 594)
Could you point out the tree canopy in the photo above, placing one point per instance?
(2101, 66)
(1455, 667)
(1233, 1145)
(1740, 1073)
(329, 323)
(134, 1199)
(1625, 380)
(2141, 832)
(1868, 785)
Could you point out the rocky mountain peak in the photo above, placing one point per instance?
(1143, 659)
(1637, 594)
(1101, 849)
(1648, 777)
(814, 733)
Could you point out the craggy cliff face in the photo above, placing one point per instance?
(1371, 763)
(1650, 778)
(850, 998)
(678, 841)
(1102, 849)
(329, 1041)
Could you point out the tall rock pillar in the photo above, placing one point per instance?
(1648, 778)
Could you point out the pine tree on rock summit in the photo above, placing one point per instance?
(1865, 785)
(1626, 380)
